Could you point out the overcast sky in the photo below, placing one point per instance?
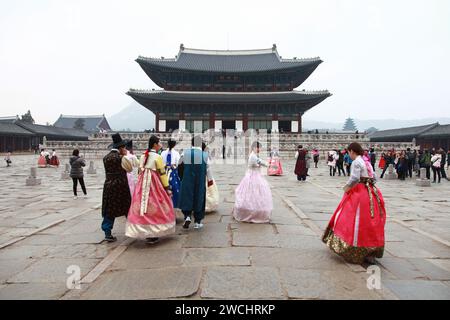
(382, 59)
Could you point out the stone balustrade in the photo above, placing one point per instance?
(97, 145)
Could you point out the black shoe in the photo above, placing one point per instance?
(187, 222)
(152, 240)
(110, 239)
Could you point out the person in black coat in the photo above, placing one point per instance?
(444, 160)
(76, 172)
(116, 198)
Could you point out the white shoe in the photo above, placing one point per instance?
(75, 197)
(198, 225)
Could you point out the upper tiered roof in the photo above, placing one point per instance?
(229, 61)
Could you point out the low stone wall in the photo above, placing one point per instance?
(286, 143)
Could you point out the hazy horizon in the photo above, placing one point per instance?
(382, 59)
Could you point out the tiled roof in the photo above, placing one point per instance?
(91, 123)
(10, 119)
(402, 132)
(438, 131)
(50, 131)
(229, 97)
(13, 129)
(228, 61)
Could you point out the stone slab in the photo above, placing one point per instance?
(174, 282)
(242, 283)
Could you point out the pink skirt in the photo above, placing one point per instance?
(159, 218)
(131, 182)
(275, 168)
(42, 162)
(253, 199)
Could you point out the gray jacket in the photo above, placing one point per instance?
(76, 164)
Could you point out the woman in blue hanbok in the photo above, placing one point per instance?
(171, 157)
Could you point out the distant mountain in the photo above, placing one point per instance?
(132, 118)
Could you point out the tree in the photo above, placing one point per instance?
(27, 118)
(349, 125)
(79, 124)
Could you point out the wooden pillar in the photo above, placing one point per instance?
(212, 120)
(245, 122)
(157, 121)
(300, 125)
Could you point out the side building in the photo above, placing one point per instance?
(20, 136)
(91, 124)
(428, 136)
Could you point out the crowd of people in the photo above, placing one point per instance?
(408, 163)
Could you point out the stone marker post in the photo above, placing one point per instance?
(65, 175)
(32, 180)
(92, 169)
(423, 181)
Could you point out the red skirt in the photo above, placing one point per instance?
(54, 161)
(382, 163)
(356, 229)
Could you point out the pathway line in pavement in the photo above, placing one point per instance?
(45, 227)
(414, 229)
(107, 261)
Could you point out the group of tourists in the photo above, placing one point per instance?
(409, 162)
(167, 180)
(340, 161)
(48, 160)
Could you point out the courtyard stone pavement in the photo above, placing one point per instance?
(44, 231)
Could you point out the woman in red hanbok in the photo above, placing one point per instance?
(382, 162)
(151, 213)
(54, 160)
(274, 168)
(356, 230)
(44, 159)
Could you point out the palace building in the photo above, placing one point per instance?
(228, 89)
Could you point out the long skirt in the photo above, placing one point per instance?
(159, 217)
(275, 168)
(175, 183)
(131, 182)
(356, 230)
(253, 199)
(42, 162)
(212, 198)
(54, 161)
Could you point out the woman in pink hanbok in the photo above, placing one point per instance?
(151, 213)
(253, 198)
(274, 168)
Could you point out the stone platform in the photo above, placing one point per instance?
(43, 231)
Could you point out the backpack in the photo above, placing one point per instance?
(427, 159)
(330, 158)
